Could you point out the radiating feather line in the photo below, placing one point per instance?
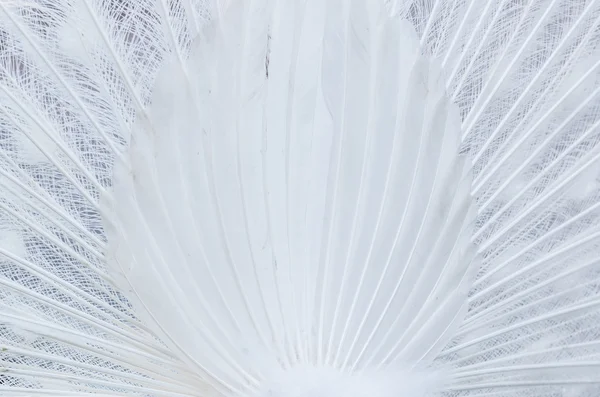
(294, 59)
(423, 148)
(466, 130)
(188, 199)
(544, 238)
(434, 10)
(372, 59)
(384, 55)
(572, 246)
(339, 120)
(481, 42)
(275, 316)
(155, 321)
(511, 299)
(212, 186)
(483, 15)
(485, 176)
(61, 79)
(280, 79)
(569, 178)
(68, 289)
(255, 284)
(514, 357)
(187, 196)
(565, 349)
(540, 175)
(249, 87)
(521, 384)
(164, 332)
(47, 202)
(10, 391)
(450, 51)
(101, 347)
(304, 144)
(595, 303)
(526, 308)
(405, 206)
(39, 373)
(50, 157)
(471, 120)
(82, 306)
(165, 263)
(133, 92)
(85, 318)
(382, 206)
(66, 248)
(424, 314)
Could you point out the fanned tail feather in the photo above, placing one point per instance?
(525, 76)
(267, 198)
(207, 197)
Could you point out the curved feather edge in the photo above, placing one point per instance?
(279, 203)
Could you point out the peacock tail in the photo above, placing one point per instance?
(310, 198)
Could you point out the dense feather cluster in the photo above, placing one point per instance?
(341, 197)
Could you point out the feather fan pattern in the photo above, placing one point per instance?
(345, 198)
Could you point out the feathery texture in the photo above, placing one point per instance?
(289, 202)
(525, 75)
(267, 197)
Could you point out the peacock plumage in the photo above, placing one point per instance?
(341, 198)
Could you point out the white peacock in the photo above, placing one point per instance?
(338, 198)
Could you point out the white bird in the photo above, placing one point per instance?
(337, 198)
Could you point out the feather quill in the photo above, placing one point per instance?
(205, 197)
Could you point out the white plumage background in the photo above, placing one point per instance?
(341, 198)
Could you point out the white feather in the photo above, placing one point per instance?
(208, 197)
